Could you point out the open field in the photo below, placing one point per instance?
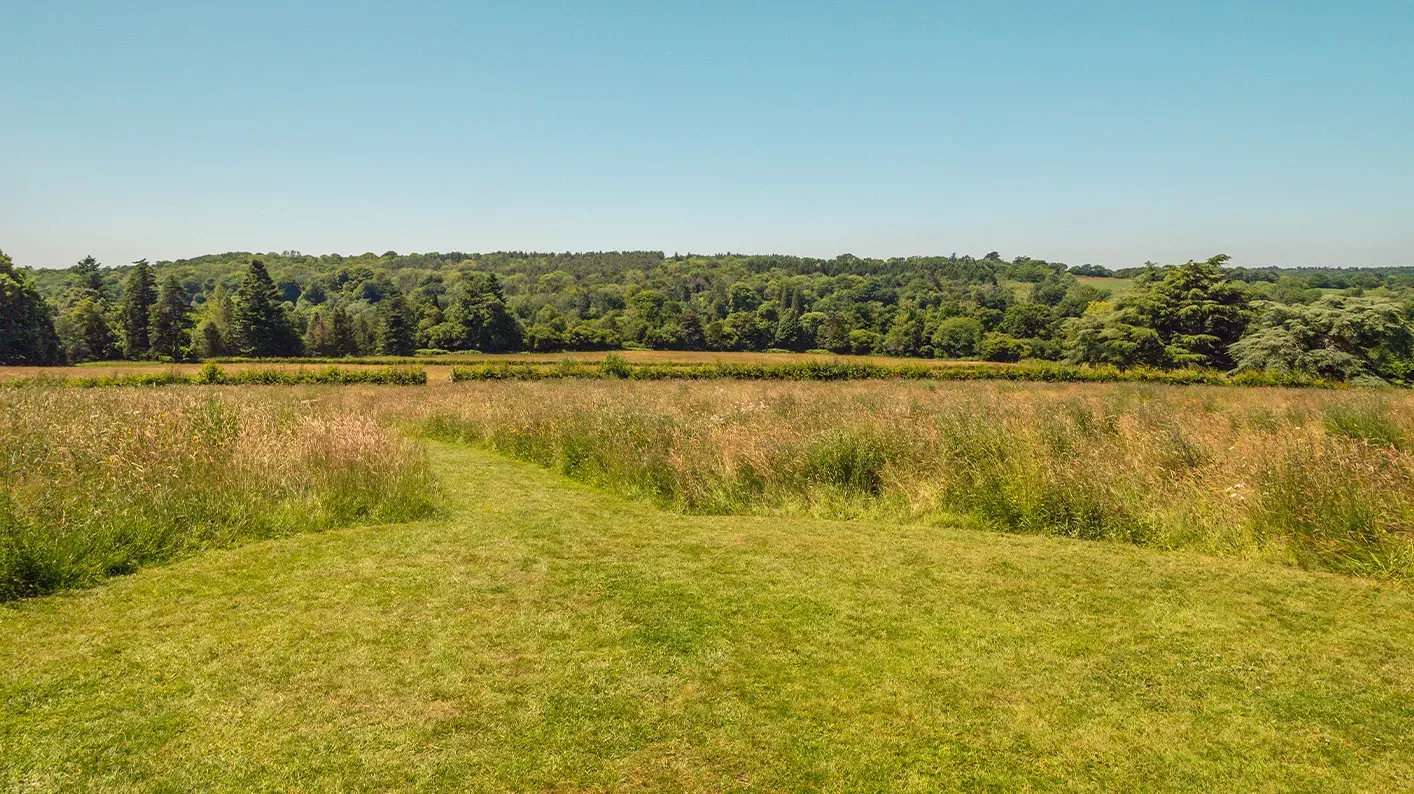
(1305, 477)
(1116, 286)
(544, 636)
(856, 586)
(439, 367)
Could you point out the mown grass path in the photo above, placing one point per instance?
(544, 636)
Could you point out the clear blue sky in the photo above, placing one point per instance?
(1278, 132)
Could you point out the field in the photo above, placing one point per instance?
(1116, 286)
(588, 585)
(439, 366)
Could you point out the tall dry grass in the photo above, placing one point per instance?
(1311, 478)
(97, 483)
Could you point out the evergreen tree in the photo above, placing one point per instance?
(169, 320)
(27, 333)
(345, 339)
(139, 294)
(397, 328)
(85, 281)
(84, 330)
(259, 323)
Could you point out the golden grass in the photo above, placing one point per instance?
(94, 483)
(1311, 478)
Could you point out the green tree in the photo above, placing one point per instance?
(476, 318)
(1337, 337)
(957, 337)
(85, 332)
(27, 334)
(139, 294)
(397, 327)
(169, 320)
(260, 324)
(85, 280)
(215, 327)
(1194, 312)
(1102, 336)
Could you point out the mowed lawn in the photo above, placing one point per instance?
(544, 636)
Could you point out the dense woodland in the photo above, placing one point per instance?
(1343, 323)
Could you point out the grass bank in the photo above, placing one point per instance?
(1311, 478)
(540, 636)
(97, 483)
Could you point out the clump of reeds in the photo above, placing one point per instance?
(97, 483)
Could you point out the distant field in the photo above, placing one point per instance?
(439, 367)
(1117, 286)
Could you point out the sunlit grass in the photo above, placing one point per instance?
(546, 637)
(97, 483)
(1318, 479)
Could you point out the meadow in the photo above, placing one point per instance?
(601, 583)
(1303, 477)
(98, 483)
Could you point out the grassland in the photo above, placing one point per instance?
(97, 483)
(542, 636)
(1312, 478)
(708, 586)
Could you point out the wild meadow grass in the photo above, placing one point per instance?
(1317, 479)
(97, 483)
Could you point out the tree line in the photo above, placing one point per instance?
(289, 304)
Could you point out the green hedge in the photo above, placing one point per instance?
(211, 374)
(614, 367)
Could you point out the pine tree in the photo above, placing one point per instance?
(397, 328)
(341, 328)
(86, 281)
(260, 325)
(27, 333)
(169, 320)
(84, 331)
(139, 293)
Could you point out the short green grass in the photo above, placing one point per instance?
(541, 635)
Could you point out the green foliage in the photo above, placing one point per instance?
(139, 295)
(170, 321)
(957, 337)
(1002, 347)
(397, 328)
(259, 324)
(27, 334)
(1183, 316)
(211, 374)
(1335, 337)
(1171, 317)
(85, 332)
(615, 366)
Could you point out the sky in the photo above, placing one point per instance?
(1281, 133)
